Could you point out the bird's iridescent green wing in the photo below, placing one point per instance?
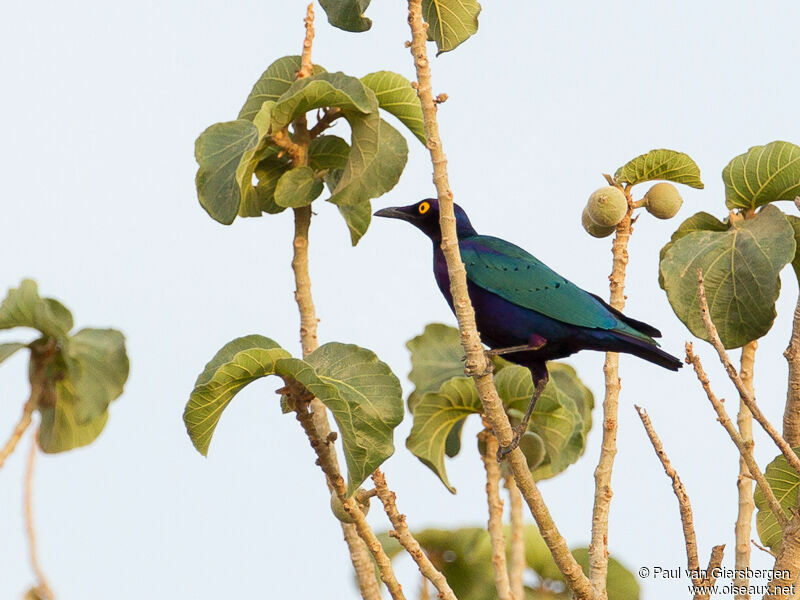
(517, 276)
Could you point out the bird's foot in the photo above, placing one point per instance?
(504, 451)
(474, 370)
(537, 343)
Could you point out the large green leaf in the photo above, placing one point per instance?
(60, 429)
(23, 307)
(367, 407)
(663, 164)
(435, 415)
(701, 221)
(762, 174)
(784, 482)
(97, 366)
(297, 187)
(396, 96)
(322, 90)
(361, 392)
(561, 418)
(272, 84)
(250, 204)
(740, 267)
(218, 151)
(464, 556)
(361, 181)
(328, 152)
(9, 349)
(268, 172)
(450, 22)
(347, 14)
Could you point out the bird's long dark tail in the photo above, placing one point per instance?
(648, 352)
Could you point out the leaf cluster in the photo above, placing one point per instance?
(361, 392)
(443, 398)
(268, 160)
(74, 376)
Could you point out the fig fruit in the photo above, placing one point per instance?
(607, 206)
(593, 228)
(663, 200)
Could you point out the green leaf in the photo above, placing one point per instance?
(322, 90)
(762, 174)
(435, 415)
(360, 391)
(272, 84)
(701, 221)
(740, 268)
(23, 307)
(237, 363)
(396, 96)
(347, 14)
(668, 165)
(9, 349)
(218, 151)
(783, 480)
(561, 418)
(328, 152)
(795, 223)
(367, 407)
(297, 187)
(250, 204)
(450, 22)
(362, 181)
(97, 367)
(268, 172)
(60, 429)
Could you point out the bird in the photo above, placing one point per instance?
(524, 310)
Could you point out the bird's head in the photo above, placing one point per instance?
(424, 215)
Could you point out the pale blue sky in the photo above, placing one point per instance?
(100, 108)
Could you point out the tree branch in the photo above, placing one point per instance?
(403, 535)
(19, 430)
(329, 465)
(316, 422)
(744, 393)
(787, 563)
(495, 527)
(744, 482)
(476, 364)
(714, 562)
(517, 563)
(684, 504)
(42, 588)
(744, 451)
(791, 415)
(598, 546)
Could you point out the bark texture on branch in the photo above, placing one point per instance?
(744, 482)
(42, 586)
(598, 546)
(476, 364)
(495, 524)
(516, 563)
(791, 415)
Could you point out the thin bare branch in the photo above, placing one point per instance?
(301, 399)
(19, 430)
(598, 546)
(744, 451)
(763, 549)
(787, 563)
(476, 364)
(306, 67)
(684, 503)
(516, 566)
(495, 527)
(744, 393)
(791, 415)
(744, 482)
(42, 587)
(714, 562)
(403, 535)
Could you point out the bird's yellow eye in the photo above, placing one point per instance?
(424, 207)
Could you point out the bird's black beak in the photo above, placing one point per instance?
(393, 212)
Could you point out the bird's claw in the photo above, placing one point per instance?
(474, 370)
(504, 451)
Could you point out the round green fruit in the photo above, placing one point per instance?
(663, 200)
(593, 228)
(337, 506)
(607, 206)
